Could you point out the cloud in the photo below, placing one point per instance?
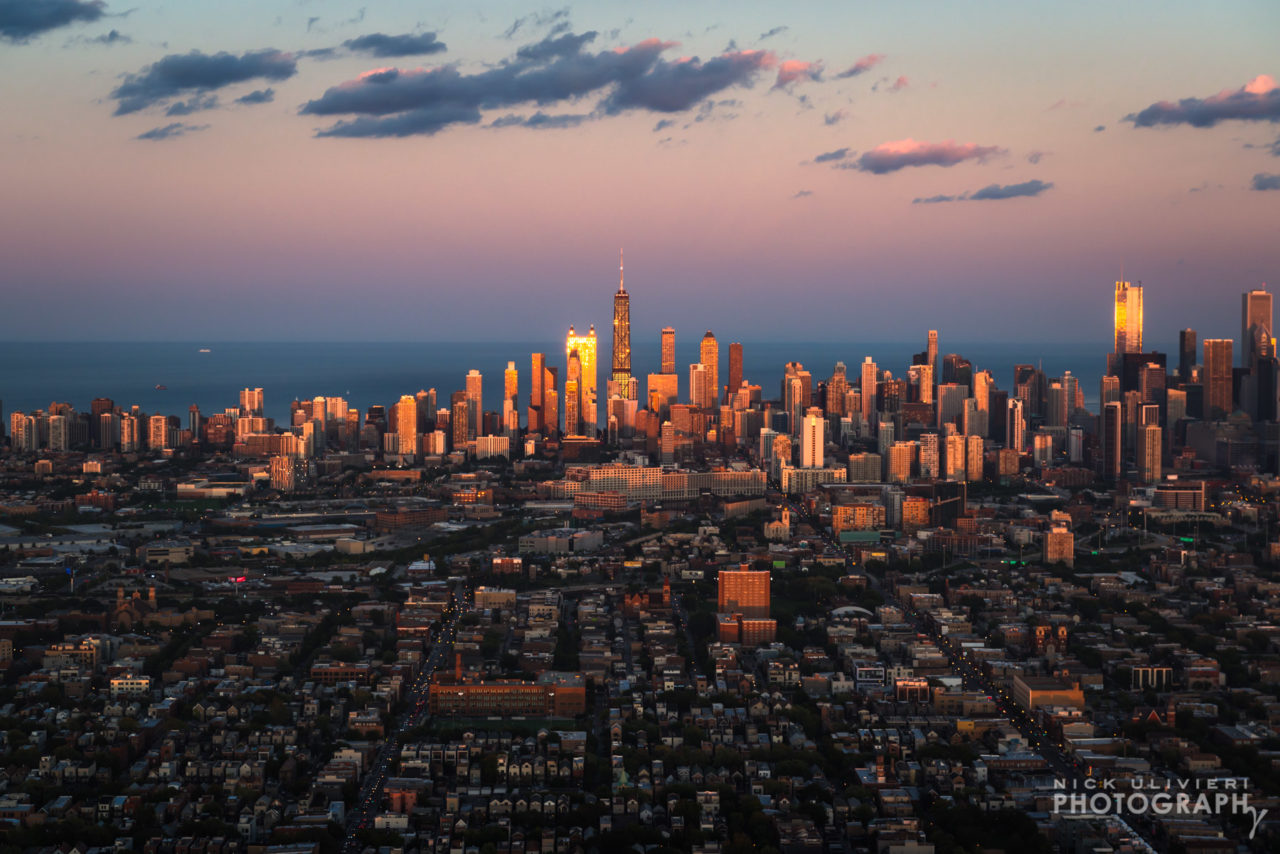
(1266, 181)
(170, 131)
(23, 19)
(1034, 157)
(406, 44)
(558, 20)
(776, 31)
(663, 124)
(892, 156)
(802, 194)
(539, 121)
(194, 105)
(109, 38)
(395, 102)
(1099, 128)
(1010, 191)
(992, 192)
(180, 73)
(899, 84)
(554, 46)
(835, 118)
(793, 70)
(1257, 100)
(258, 96)
(867, 63)
(832, 156)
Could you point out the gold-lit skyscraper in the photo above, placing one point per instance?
(1216, 378)
(710, 358)
(1255, 328)
(510, 400)
(406, 421)
(1128, 318)
(475, 402)
(585, 348)
(621, 376)
(668, 351)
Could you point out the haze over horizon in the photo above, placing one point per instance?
(842, 171)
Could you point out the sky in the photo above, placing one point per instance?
(312, 170)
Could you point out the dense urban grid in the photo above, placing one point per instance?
(896, 613)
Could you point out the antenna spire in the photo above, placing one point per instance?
(621, 287)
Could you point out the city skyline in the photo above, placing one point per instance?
(811, 154)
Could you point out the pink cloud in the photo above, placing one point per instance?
(892, 156)
(1257, 100)
(867, 62)
(792, 70)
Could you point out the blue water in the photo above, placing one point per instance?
(32, 375)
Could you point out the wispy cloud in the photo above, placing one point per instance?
(832, 156)
(991, 192)
(1257, 100)
(802, 194)
(776, 31)
(835, 118)
(862, 66)
(892, 156)
(170, 131)
(258, 96)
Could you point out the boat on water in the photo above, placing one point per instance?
(160, 387)
(205, 350)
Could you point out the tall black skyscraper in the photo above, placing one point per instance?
(1186, 354)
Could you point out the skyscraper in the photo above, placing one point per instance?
(621, 375)
(812, 439)
(585, 347)
(699, 386)
(573, 395)
(1016, 430)
(870, 376)
(735, 369)
(932, 355)
(1186, 354)
(1216, 378)
(475, 402)
(406, 421)
(743, 591)
(1128, 318)
(668, 351)
(1112, 439)
(510, 400)
(709, 351)
(251, 401)
(537, 371)
(1255, 327)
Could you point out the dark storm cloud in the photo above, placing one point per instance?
(865, 64)
(170, 131)
(1257, 100)
(892, 156)
(194, 104)
(539, 121)
(180, 73)
(22, 19)
(1266, 181)
(395, 102)
(406, 44)
(258, 96)
(992, 192)
(831, 156)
